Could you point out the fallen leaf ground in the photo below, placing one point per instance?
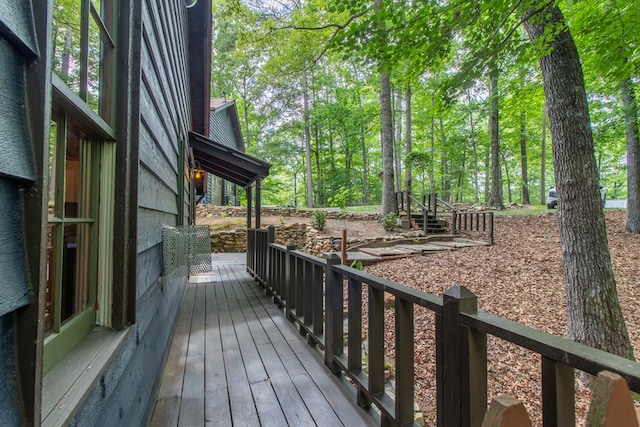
(520, 278)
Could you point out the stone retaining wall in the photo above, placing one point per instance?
(303, 236)
(236, 240)
(241, 211)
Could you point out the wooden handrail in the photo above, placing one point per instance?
(311, 291)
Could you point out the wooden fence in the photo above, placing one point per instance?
(312, 292)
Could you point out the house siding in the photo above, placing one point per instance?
(9, 409)
(221, 130)
(126, 391)
(18, 50)
(154, 109)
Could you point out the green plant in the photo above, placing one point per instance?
(339, 199)
(389, 221)
(319, 219)
(356, 264)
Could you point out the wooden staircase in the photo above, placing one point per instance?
(434, 225)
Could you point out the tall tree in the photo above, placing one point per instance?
(386, 138)
(633, 156)
(595, 317)
(523, 160)
(408, 135)
(496, 199)
(307, 139)
(543, 157)
(472, 131)
(397, 142)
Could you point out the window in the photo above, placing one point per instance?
(83, 49)
(81, 177)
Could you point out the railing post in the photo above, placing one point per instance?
(269, 261)
(435, 205)
(249, 250)
(454, 224)
(289, 267)
(558, 394)
(404, 334)
(464, 361)
(333, 314)
(318, 294)
(491, 228)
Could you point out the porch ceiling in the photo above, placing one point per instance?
(227, 163)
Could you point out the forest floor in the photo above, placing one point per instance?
(519, 278)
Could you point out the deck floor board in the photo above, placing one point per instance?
(236, 360)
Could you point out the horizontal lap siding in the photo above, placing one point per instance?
(126, 392)
(18, 47)
(164, 121)
(9, 408)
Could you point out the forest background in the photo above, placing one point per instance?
(306, 79)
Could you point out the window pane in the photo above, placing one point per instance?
(75, 270)
(51, 278)
(94, 66)
(72, 181)
(66, 43)
(51, 190)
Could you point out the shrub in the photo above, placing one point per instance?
(389, 221)
(319, 219)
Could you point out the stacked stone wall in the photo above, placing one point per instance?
(241, 211)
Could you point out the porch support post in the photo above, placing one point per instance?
(258, 201)
(249, 201)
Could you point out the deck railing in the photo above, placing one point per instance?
(316, 291)
(473, 223)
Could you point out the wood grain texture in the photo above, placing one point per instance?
(257, 369)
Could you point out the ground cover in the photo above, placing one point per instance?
(519, 278)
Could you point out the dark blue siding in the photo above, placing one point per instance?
(9, 412)
(126, 392)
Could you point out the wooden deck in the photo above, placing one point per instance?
(236, 360)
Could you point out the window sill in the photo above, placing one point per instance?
(68, 384)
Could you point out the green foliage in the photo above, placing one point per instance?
(319, 219)
(443, 51)
(389, 221)
(340, 199)
(356, 264)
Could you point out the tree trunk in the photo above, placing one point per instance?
(506, 173)
(523, 157)
(495, 200)
(307, 141)
(446, 179)
(543, 158)
(432, 171)
(365, 163)
(594, 314)
(245, 101)
(633, 156)
(408, 144)
(476, 196)
(398, 148)
(386, 136)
